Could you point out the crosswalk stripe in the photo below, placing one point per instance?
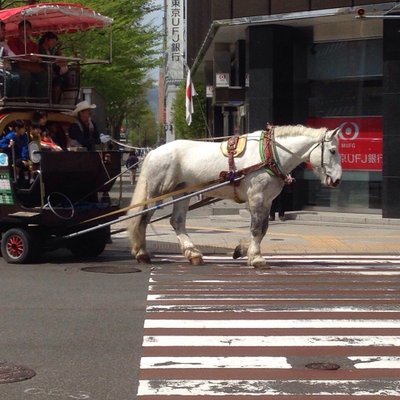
(260, 341)
(270, 323)
(359, 362)
(269, 388)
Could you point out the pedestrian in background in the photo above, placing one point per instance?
(131, 164)
(279, 203)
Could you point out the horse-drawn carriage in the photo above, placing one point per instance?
(61, 206)
(64, 195)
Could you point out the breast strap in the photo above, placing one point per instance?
(267, 152)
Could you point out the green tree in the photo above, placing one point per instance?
(198, 128)
(143, 130)
(135, 44)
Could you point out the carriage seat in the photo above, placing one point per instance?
(237, 144)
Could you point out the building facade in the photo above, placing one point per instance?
(313, 62)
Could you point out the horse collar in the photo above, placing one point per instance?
(268, 153)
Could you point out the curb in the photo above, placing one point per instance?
(172, 247)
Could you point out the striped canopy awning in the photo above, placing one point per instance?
(55, 17)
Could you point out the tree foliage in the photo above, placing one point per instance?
(122, 83)
(143, 130)
(198, 128)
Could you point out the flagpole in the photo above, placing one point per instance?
(198, 101)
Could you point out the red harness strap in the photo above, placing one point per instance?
(269, 159)
(231, 148)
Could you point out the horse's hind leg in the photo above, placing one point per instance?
(178, 222)
(138, 238)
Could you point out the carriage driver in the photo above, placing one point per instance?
(83, 131)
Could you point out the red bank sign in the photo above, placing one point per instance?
(360, 140)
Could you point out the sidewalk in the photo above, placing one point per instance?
(304, 232)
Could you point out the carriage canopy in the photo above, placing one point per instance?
(55, 17)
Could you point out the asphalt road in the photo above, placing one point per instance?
(81, 332)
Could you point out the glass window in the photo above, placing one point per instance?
(345, 79)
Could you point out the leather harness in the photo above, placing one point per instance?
(268, 158)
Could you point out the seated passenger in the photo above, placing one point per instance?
(83, 131)
(47, 143)
(32, 71)
(48, 45)
(9, 79)
(58, 135)
(15, 143)
(35, 132)
(40, 117)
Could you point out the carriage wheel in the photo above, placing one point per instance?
(17, 246)
(89, 245)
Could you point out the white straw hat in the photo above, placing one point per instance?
(83, 105)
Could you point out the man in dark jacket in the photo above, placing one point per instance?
(83, 131)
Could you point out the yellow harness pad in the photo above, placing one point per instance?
(241, 146)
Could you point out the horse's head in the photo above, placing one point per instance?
(325, 159)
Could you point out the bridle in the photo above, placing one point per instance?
(270, 128)
(322, 143)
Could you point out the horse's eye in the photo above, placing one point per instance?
(332, 151)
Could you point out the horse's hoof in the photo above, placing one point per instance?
(237, 252)
(261, 266)
(259, 263)
(143, 259)
(198, 260)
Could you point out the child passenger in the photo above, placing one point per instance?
(47, 143)
(15, 143)
(42, 136)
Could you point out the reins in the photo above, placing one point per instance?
(156, 207)
(158, 198)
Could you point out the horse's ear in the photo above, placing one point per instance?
(331, 134)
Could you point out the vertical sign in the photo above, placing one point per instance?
(174, 59)
(175, 39)
(222, 79)
(6, 196)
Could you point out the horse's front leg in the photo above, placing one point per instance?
(258, 229)
(178, 222)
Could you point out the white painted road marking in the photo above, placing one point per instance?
(268, 341)
(271, 323)
(268, 388)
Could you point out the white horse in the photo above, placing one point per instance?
(184, 163)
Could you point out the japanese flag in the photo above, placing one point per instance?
(190, 92)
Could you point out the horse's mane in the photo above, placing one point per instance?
(297, 130)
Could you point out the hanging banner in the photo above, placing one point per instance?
(360, 140)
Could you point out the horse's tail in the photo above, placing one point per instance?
(137, 225)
